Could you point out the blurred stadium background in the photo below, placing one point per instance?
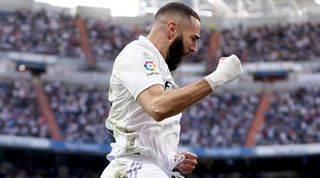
(55, 62)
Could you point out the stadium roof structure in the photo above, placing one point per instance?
(222, 8)
(246, 7)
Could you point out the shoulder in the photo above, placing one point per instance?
(136, 52)
(134, 48)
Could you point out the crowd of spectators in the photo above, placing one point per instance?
(108, 40)
(44, 32)
(293, 118)
(53, 33)
(40, 32)
(19, 113)
(289, 42)
(80, 111)
(220, 120)
(214, 122)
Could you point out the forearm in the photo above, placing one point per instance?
(175, 101)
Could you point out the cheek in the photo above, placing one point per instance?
(187, 47)
(189, 44)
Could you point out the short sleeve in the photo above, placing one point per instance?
(137, 70)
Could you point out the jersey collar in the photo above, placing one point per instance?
(150, 45)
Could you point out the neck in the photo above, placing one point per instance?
(158, 40)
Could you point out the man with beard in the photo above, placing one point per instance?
(147, 104)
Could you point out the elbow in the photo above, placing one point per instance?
(159, 114)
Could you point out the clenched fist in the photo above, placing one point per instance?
(188, 164)
(229, 69)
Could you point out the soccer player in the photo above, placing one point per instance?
(147, 104)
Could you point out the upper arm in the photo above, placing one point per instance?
(148, 97)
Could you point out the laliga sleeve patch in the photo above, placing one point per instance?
(150, 68)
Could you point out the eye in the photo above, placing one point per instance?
(194, 38)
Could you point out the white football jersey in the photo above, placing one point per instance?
(139, 66)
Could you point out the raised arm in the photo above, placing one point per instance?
(161, 104)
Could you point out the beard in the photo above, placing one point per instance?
(175, 54)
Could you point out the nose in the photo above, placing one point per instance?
(194, 47)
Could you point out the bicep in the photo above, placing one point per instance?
(149, 96)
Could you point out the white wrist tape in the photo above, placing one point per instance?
(228, 69)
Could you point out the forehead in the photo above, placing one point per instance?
(193, 27)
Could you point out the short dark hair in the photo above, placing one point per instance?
(177, 8)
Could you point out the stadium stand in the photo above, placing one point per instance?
(288, 42)
(40, 32)
(293, 118)
(19, 113)
(80, 111)
(208, 125)
(236, 131)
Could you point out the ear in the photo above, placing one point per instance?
(172, 29)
